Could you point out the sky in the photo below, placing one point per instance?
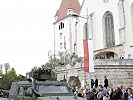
(26, 32)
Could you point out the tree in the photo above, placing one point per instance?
(52, 62)
(55, 60)
(8, 78)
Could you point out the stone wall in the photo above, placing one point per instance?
(117, 75)
(118, 71)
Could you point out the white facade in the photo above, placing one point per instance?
(69, 35)
(110, 25)
(96, 11)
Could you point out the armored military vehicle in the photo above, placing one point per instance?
(40, 87)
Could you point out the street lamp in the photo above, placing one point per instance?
(85, 42)
(90, 16)
(75, 15)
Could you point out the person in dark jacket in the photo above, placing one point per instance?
(92, 83)
(126, 94)
(105, 82)
(118, 94)
(96, 82)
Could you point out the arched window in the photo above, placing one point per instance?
(61, 25)
(85, 34)
(108, 24)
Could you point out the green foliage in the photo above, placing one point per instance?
(57, 60)
(52, 62)
(8, 78)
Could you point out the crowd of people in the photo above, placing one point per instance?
(104, 92)
(104, 57)
(4, 93)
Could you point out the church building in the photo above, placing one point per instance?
(109, 24)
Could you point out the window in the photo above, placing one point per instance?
(61, 45)
(61, 26)
(108, 24)
(69, 11)
(53, 89)
(21, 91)
(60, 35)
(28, 91)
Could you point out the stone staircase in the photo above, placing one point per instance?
(118, 71)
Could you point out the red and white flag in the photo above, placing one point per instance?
(88, 56)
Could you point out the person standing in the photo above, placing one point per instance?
(96, 82)
(92, 83)
(105, 82)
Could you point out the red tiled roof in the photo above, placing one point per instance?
(65, 5)
(57, 13)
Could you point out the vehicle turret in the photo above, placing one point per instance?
(43, 74)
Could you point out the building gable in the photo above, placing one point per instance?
(65, 5)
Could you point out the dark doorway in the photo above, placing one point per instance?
(110, 55)
(74, 81)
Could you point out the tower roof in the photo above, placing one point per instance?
(65, 5)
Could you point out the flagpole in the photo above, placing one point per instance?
(90, 47)
(87, 43)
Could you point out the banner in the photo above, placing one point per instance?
(88, 56)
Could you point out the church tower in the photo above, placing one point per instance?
(65, 27)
